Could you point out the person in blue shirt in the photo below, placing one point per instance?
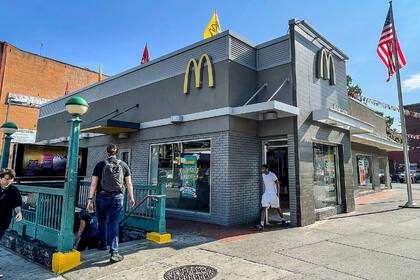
(87, 234)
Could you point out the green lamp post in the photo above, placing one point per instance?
(76, 106)
(8, 129)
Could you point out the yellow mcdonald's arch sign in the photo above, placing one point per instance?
(197, 72)
(325, 66)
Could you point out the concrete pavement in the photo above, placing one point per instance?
(378, 241)
(16, 267)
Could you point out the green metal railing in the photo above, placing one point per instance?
(83, 193)
(149, 216)
(42, 212)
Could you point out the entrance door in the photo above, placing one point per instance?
(275, 156)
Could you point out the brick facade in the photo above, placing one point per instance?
(29, 74)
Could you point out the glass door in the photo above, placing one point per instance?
(325, 176)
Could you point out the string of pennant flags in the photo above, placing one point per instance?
(367, 100)
(412, 136)
(395, 135)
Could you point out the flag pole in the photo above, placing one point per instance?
(410, 202)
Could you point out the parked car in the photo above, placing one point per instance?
(414, 173)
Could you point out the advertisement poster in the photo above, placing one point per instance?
(362, 172)
(45, 161)
(189, 176)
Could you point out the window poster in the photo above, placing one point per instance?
(189, 176)
(362, 172)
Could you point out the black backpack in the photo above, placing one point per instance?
(112, 179)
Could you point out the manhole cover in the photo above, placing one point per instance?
(190, 272)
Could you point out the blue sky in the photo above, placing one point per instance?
(113, 33)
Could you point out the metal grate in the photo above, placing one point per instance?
(191, 272)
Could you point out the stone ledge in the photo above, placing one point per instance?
(33, 249)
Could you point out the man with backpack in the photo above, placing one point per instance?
(108, 180)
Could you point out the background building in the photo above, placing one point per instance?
(413, 127)
(28, 80)
(371, 151)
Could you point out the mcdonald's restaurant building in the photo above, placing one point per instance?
(202, 120)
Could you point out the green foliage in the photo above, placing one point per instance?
(354, 90)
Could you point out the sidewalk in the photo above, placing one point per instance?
(377, 241)
(14, 267)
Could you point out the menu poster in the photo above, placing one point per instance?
(189, 176)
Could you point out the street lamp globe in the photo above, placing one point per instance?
(8, 128)
(76, 106)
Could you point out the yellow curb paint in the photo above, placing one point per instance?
(62, 262)
(159, 238)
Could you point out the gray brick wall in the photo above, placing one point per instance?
(314, 94)
(244, 185)
(291, 153)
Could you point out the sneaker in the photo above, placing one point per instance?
(115, 257)
(259, 227)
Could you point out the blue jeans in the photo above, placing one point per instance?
(109, 208)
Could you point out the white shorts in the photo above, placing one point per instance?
(270, 200)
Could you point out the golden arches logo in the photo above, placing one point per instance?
(325, 66)
(197, 72)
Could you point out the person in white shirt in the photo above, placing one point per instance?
(270, 197)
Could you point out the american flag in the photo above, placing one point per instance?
(386, 49)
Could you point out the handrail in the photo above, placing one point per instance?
(280, 87)
(255, 94)
(153, 196)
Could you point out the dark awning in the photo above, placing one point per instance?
(111, 127)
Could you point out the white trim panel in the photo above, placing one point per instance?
(377, 142)
(253, 111)
(342, 120)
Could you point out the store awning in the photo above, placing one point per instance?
(377, 142)
(342, 120)
(111, 127)
(266, 110)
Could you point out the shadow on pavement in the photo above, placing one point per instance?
(190, 233)
(364, 214)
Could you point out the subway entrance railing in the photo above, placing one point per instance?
(43, 209)
(149, 216)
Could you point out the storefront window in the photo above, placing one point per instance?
(364, 170)
(325, 175)
(184, 169)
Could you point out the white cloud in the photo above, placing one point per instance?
(412, 83)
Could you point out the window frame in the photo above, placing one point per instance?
(210, 175)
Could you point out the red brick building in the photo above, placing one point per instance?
(28, 80)
(413, 127)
